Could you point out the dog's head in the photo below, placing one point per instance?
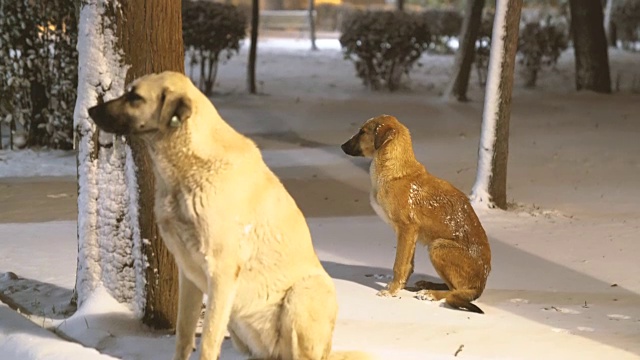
(374, 134)
(153, 103)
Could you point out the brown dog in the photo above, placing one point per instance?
(420, 206)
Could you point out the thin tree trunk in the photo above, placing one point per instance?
(153, 43)
(400, 5)
(466, 51)
(490, 188)
(312, 24)
(609, 27)
(590, 46)
(251, 67)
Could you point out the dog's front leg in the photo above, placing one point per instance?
(189, 305)
(222, 286)
(403, 266)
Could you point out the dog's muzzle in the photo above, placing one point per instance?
(352, 147)
(103, 117)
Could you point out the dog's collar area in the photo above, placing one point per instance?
(175, 121)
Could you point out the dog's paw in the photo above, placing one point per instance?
(386, 293)
(425, 295)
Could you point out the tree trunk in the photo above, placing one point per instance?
(312, 24)
(590, 46)
(609, 26)
(152, 42)
(400, 5)
(118, 242)
(490, 188)
(466, 50)
(251, 67)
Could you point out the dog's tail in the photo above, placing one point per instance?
(461, 299)
(351, 355)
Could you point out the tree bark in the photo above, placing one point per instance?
(312, 24)
(466, 51)
(253, 49)
(151, 38)
(490, 187)
(590, 46)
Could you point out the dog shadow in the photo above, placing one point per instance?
(372, 277)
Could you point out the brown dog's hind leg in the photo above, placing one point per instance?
(462, 272)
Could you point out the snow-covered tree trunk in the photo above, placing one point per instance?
(590, 46)
(609, 27)
(118, 244)
(490, 187)
(466, 50)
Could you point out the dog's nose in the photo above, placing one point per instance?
(93, 112)
(344, 146)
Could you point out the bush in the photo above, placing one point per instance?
(384, 45)
(625, 15)
(38, 72)
(443, 24)
(540, 44)
(210, 29)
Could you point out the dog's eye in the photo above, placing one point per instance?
(132, 96)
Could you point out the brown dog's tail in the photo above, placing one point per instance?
(461, 299)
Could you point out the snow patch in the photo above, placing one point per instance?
(20, 339)
(30, 163)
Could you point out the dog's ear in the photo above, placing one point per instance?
(176, 108)
(383, 134)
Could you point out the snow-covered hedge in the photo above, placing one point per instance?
(384, 45)
(210, 29)
(38, 72)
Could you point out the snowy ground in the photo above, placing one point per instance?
(565, 280)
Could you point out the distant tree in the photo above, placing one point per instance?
(490, 187)
(253, 49)
(590, 46)
(400, 5)
(609, 26)
(466, 50)
(312, 24)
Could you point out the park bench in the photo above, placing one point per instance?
(285, 19)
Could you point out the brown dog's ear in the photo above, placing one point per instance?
(383, 134)
(176, 108)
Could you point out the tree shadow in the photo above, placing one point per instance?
(527, 286)
(33, 297)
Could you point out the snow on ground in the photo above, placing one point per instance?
(565, 279)
(24, 340)
(29, 163)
